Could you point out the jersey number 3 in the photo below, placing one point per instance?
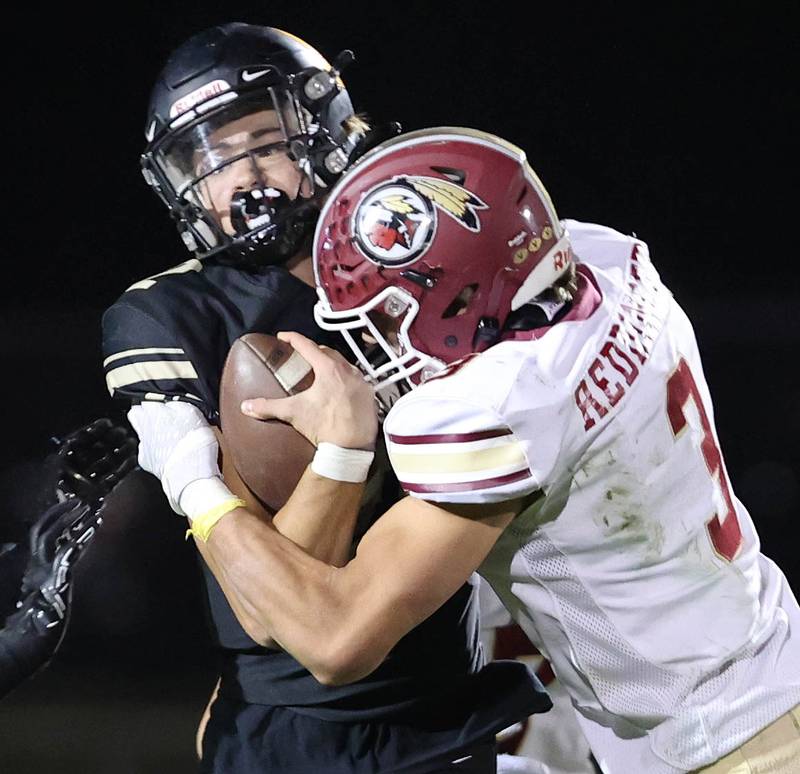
(725, 533)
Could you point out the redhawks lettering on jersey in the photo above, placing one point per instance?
(627, 347)
(457, 462)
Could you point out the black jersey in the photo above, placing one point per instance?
(167, 338)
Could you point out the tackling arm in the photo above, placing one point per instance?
(316, 519)
(341, 622)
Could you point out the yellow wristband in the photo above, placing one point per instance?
(205, 522)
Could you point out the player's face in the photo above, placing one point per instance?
(388, 327)
(264, 164)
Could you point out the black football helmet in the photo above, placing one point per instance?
(238, 71)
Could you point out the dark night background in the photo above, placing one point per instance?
(676, 125)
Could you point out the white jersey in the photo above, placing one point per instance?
(551, 743)
(635, 571)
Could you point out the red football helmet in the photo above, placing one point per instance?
(428, 244)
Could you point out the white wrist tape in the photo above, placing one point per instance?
(204, 495)
(334, 462)
(193, 458)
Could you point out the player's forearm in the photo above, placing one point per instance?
(311, 525)
(341, 622)
(280, 591)
(322, 534)
(304, 523)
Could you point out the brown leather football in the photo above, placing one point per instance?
(270, 456)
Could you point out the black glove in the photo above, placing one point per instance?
(92, 461)
(32, 634)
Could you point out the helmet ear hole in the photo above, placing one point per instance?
(461, 302)
(457, 176)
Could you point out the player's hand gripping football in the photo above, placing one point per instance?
(339, 407)
(91, 462)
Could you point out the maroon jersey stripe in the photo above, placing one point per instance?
(466, 486)
(450, 437)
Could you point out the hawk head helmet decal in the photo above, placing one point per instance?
(393, 225)
(396, 221)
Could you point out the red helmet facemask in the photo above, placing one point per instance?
(429, 243)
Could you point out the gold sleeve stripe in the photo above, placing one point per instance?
(507, 455)
(160, 396)
(149, 371)
(193, 264)
(144, 351)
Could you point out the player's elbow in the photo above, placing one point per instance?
(264, 640)
(339, 673)
(256, 631)
(346, 660)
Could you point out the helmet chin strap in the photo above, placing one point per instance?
(487, 333)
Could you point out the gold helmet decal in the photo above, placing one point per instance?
(395, 222)
(457, 202)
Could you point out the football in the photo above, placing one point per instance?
(268, 457)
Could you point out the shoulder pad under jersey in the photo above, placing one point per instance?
(447, 443)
